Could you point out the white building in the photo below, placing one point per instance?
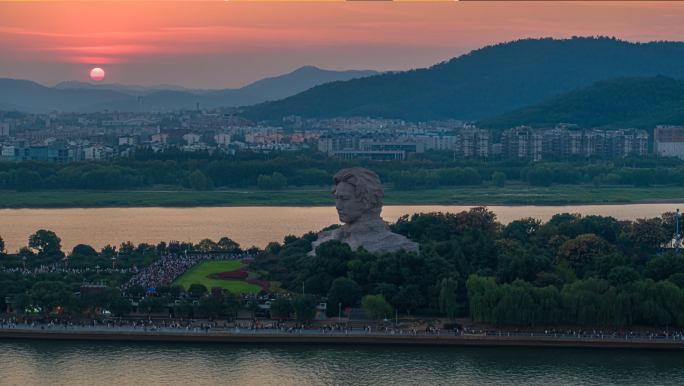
(128, 140)
(192, 138)
(222, 139)
(668, 141)
(437, 141)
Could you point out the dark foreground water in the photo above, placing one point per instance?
(87, 363)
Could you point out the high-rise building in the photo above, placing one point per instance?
(668, 141)
(474, 142)
(522, 142)
(567, 140)
(141, 103)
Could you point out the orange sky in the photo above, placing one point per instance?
(229, 44)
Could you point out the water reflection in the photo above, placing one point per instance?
(87, 363)
(247, 225)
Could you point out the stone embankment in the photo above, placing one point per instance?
(230, 337)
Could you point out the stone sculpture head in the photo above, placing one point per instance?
(358, 195)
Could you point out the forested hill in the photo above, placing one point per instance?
(485, 82)
(625, 102)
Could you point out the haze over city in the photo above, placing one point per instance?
(347, 193)
(231, 44)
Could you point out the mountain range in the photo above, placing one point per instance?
(29, 96)
(623, 102)
(485, 82)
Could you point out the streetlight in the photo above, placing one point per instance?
(113, 260)
(65, 261)
(24, 262)
(677, 242)
(339, 312)
(396, 317)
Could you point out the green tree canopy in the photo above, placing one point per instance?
(376, 306)
(197, 289)
(281, 307)
(447, 298)
(46, 242)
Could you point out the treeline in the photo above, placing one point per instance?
(577, 269)
(432, 169)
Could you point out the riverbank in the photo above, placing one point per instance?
(512, 194)
(229, 337)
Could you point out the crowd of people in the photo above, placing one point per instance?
(171, 266)
(59, 268)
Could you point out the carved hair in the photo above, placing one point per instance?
(367, 187)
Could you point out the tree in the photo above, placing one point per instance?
(206, 245)
(210, 306)
(253, 305)
(151, 305)
(183, 308)
(84, 250)
(163, 289)
(120, 306)
(523, 264)
(48, 295)
(227, 244)
(604, 264)
(45, 242)
(21, 303)
(136, 290)
(376, 306)
(273, 182)
(304, 307)
(623, 275)
(345, 291)
(176, 290)
(108, 250)
(197, 289)
(499, 179)
(161, 247)
(281, 307)
(583, 249)
(199, 181)
(127, 247)
(231, 302)
(409, 298)
(648, 234)
(2, 245)
(447, 298)
(662, 267)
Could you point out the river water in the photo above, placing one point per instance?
(151, 364)
(249, 226)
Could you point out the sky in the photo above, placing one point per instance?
(231, 44)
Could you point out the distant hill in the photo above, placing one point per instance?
(620, 103)
(86, 97)
(485, 82)
(126, 88)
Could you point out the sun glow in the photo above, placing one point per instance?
(97, 73)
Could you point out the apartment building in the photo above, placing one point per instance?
(668, 141)
(474, 142)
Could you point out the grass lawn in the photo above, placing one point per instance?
(198, 274)
(514, 193)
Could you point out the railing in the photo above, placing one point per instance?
(584, 336)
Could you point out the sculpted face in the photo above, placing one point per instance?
(349, 208)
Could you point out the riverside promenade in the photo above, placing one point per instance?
(217, 336)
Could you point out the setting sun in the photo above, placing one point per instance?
(97, 73)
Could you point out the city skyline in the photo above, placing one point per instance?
(229, 45)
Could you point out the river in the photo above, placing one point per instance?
(98, 363)
(249, 226)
